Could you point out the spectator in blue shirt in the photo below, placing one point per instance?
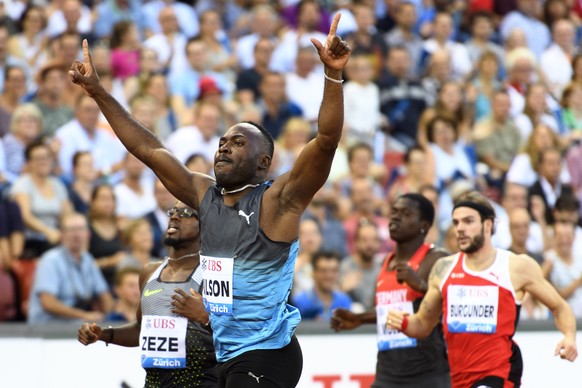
(319, 302)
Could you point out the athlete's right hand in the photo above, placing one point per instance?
(84, 73)
(89, 333)
(343, 319)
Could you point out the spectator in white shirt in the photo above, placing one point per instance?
(525, 18)
(304, 86)
(263, 24)
(556, 60)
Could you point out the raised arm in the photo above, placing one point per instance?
(527, 276)
(421, 324)
(138, 140)
(313, 164)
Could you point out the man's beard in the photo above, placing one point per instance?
(172, 242)
(477, 243)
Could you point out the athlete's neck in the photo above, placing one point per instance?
(481, 259)
(405, 249)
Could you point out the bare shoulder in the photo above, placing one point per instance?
(440, 267)
(146, 272)
(523, 269)
(438, 253)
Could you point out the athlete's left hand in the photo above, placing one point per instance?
(405, 274)
(566, 349)
(334, 52)
(189, 306)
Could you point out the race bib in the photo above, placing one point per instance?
(392, 339)
(163, 342)
(217, 276)
(472, 309)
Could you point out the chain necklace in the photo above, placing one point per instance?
(182, 257)
(223, 191)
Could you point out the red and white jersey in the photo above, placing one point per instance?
(481, 315)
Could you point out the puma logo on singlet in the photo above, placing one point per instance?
(251, 373)
(147, 293)
(241, 213)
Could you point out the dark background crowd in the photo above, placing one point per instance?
(441, 97)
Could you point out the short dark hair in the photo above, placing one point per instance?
(78, 155)
(363, 223)
(32, 146)
(542, 153)
(412, 149)
(121, 273)
(478, 202)
(432, 123)
(317, 256)
(268, 141)
(425, 207)
(358, 146)
(567, 202)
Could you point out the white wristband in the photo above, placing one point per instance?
(336, 81)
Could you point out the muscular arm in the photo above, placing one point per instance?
(527, 276)
(421, 324)
(138, 140)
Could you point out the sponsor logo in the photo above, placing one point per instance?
(243, 214)
(147, 293)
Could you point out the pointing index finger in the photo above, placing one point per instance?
(334, 23)
(86, 54)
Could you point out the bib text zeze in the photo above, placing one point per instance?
(217, 284)
(163, 341)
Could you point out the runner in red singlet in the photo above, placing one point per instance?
(405, 362)
(479, 291)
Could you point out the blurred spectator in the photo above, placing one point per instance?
(577, 68)
(482, 30)
(135, 193)
(484, 84)
(125, 50)
(296, 134)
(309, 16)
(30, 43)
(43, 200)
(156, 87)
(404, 35)
(319, 302)
(137, 237)
(127, 295)
(450, 105)
(554, 10)
(67, 284)
(105, 242)
(448, 160)
(198, 163)
(158, 218)
(186, 17)
(264, 23)
(563, 267)
(110, 12)
(571, 103)
(360, 269)
(304, 85)
(364, 209)
(25, 127)
(497, 139)
(439, 71)
(362, 104)
(200, 137)
(523, 169)
(12, 95)
(249, 80)
(366, 40)
(71, 16)
(50, 97)
(220, 58)
(310, 241)
(525, 18)
(11, 234)
(549, 186)
(83, 134)
(323, 208)
(184, 85)
(361, 165)
(83, 180)
(277, 108)
(412, 175)
(519, 225)
(169, 42)
(66, 48)
(535, 111)
(441, 40)
(567, 209)
(442, 222)
(555, 61)
(6, 59)
(402, 101)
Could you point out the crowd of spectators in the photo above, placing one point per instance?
(441, 97)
